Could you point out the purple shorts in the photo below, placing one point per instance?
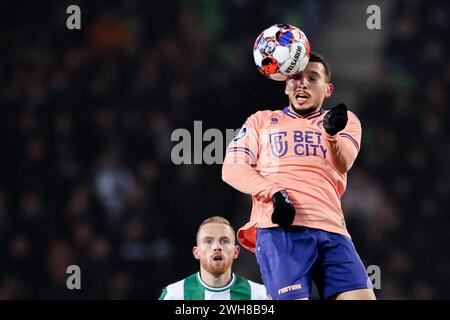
(290, 258)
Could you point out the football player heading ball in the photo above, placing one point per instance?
(294, 163)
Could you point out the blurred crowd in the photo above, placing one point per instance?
(86, 118)
(397, 200)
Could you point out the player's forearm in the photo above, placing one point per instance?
(246, 179)
(342, 152)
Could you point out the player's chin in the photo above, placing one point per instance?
(302, 107)
(217, 269)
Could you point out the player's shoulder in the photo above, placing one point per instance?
(263, 115)
(177, 283)
(256, 285)
(258, 290)
(175, 290)
(353, 117)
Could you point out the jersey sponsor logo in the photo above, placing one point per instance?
(294, 61)
(274, 121)
(302, 143)
(290, 288)
(241, 134)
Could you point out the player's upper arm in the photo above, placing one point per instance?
(244, 148)
(352, 131)
(345, 145)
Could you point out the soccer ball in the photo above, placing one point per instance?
(281, 51)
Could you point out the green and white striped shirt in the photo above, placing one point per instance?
(193, 288)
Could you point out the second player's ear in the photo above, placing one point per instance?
(330, 88)
(195, 253)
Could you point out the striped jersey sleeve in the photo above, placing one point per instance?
(245, 145)
(344, 146)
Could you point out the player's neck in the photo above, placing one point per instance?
(216, 281)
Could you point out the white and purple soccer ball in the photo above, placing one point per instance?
(281, 51)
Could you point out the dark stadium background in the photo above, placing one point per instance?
(86, 117)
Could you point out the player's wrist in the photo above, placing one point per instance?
(327, 136)
(283, 209)
(275, 189)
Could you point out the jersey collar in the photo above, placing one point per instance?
(306, 116)
(220, 289)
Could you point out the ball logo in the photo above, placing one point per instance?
(241, 134)
(294, 61)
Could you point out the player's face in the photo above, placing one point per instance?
(216, 248)
(308, 89)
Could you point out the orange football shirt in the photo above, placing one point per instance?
(277, 150)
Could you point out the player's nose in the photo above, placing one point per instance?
(217, 246)
(300, 80)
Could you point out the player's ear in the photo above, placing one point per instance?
(195, 253)
(286, 87)
(330, 88)
(237, 249)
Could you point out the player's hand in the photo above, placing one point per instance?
(283, 209)
(336, 119)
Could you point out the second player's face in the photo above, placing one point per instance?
(308, 89)
(216, 248)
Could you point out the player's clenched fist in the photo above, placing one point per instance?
(283, 209)
(336, 119)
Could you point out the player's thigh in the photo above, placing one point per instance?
(360, 294)
(340, 268)
(285, 257)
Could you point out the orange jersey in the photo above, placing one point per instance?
(280, 149)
